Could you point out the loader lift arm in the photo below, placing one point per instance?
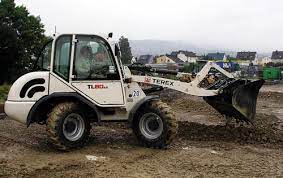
(191, 88)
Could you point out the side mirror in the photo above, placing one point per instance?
(110, 35)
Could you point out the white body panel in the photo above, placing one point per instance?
(96, 96)
(18, 110)
(58, 85)
(103, 92)
(119, 115)
(133, 95)
(14, 93)
(17, 107)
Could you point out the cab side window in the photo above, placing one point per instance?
(43, 62)
(62, 56)
(93, 60)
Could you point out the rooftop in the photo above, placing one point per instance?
(187, 53)
(145, 59)
(175, 59)
(216, 56)
(277, 55)
(246, 55)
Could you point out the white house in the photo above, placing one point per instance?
(262, 61)
(185, 56)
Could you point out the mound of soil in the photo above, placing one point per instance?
(264, 130)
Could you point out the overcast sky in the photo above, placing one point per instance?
(231, 24)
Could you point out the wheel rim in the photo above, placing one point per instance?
(73, 127)
(151, 125)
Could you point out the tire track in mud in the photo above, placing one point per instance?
(120, 135)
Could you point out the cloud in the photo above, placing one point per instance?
(234, 24)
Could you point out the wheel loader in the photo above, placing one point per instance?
(79, 79)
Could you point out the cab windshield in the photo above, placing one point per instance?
(43, 60)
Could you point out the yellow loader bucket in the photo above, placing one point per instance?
(238, 99)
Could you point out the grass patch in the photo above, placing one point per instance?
(4, 89)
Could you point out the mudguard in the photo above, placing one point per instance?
(59, 96)
(139, 104)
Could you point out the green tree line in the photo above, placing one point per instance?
(21, 38)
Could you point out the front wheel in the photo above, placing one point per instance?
(67, 126)
(155, 124)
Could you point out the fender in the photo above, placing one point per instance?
(56, 96)
(139, 104)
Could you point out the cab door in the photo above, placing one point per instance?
(95, 72)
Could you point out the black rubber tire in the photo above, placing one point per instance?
(55, 126)
(170, 125)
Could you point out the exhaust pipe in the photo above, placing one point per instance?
(238, 99)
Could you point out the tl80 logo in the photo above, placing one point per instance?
(97, 86)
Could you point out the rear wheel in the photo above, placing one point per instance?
(67, 126)
(155, 125)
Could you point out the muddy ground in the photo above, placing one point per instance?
(204, 146)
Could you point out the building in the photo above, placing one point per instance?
(246, 58)
(185, 56)
(216, 56)
(165, 59)
(146, 59)
(263, 61)
(277, 57)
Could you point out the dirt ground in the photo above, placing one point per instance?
(273, 88)
(204, 146)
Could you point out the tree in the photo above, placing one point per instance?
(125, 50)
(188, 68)
(21, 38)
(191, 67)
(205, 57)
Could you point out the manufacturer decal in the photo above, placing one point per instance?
(163, 82)
(97, 86)
(33, 89)
(158, 81)
(147, 79)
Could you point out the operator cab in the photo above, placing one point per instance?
(86, 63)
(87, 51)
